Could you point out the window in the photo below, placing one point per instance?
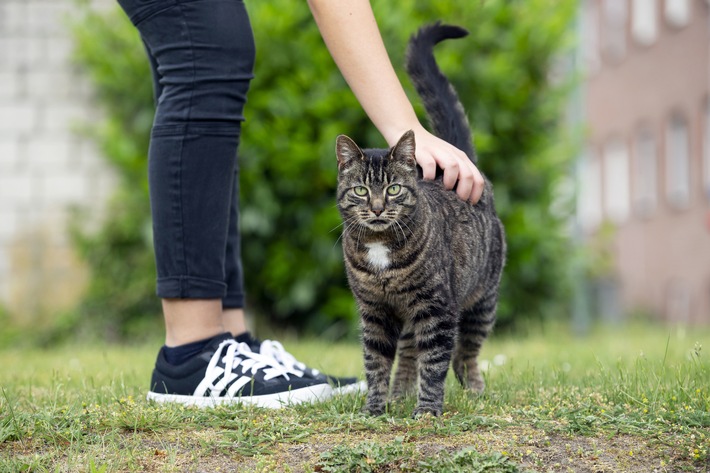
(616, 181)
(614, 34)
(589, 200)
(590, 35)
(646, 173)
(643, 20)
(677, 12)
(706, 151)
(677, 162)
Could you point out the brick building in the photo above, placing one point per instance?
(46, 166)
(644, 199)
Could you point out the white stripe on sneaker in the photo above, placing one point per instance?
(233, 390)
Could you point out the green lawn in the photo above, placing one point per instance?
(621, 399)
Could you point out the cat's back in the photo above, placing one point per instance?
(445, 205)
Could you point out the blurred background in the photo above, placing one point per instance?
(591, 117)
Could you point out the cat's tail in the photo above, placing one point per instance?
(446, 114)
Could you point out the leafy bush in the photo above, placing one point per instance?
(298, 103)
(121, 294)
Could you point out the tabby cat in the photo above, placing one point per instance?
(423, 265)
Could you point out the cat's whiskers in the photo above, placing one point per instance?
(343, 224)
(337, 226)
(359, 234)
(401, 230)
(347, 224)
(337, 240)
(402, 222)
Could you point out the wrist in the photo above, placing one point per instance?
(395, 132)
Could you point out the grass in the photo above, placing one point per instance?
(633, 399)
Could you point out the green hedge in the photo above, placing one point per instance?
(298, 103)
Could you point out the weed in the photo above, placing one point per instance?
(373, 457)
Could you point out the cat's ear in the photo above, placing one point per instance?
(405, 149)
(346, 150)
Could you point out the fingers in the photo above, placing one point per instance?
(478, 185)
(428, 165)
(458, 170)
(452, 171)
(469, 180)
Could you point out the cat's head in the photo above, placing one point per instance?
(377, 188)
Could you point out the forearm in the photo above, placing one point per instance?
(351, 34)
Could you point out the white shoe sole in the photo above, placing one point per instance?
(308, 394)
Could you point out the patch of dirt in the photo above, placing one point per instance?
(533, 449)
(206, 450)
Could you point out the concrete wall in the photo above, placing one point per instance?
(46, 166)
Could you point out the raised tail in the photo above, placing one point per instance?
(446, 114)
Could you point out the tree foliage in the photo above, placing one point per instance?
(297, 105)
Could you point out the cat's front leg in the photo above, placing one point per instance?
(405, 377)
(435, 334)
(380, 332)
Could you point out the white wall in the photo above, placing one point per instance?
(46, 165)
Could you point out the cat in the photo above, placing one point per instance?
(424, 266)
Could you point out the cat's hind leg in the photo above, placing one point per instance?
(405, 377)
(475, 325)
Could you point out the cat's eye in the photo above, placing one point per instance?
(360, 190)
(394, 189)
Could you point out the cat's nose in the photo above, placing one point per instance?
(377, 207)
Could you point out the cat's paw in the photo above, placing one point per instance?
(470, 379)
(423, 411)
(476, 384)
(473, 383)
(374, 410)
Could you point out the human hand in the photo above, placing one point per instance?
(432, 151)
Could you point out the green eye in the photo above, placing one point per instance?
(394, 189)
(360, 190)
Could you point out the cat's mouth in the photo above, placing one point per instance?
(378, 223)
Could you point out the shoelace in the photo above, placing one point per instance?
(275, 350)
(233, 355)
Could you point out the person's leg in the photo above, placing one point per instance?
(202, 76)
(202, 53)
(191, 320)
(186, 320)
(233, 318)
(234, 321)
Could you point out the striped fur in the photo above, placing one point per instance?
(423, 265)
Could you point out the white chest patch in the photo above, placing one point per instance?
(378, 255)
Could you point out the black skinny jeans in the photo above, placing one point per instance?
(202, 58)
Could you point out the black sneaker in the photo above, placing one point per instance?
(274, 349)
(228, 372)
